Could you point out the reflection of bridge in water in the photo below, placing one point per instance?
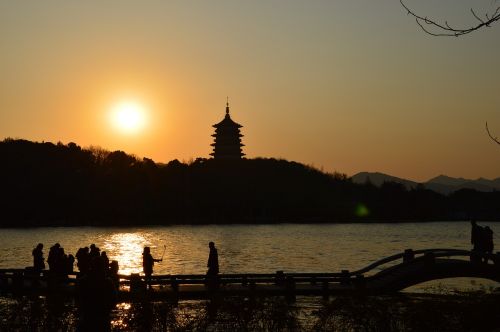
(387, 275)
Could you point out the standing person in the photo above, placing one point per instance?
(213, 260)
(38, 260)
(94, 251)
(70, 260)
(105, 261)
(83, 260)
(488, 242)
(95, 298)
(62, 263)
(53, 257)
(475, 236)
(213, 267)
(147, 264)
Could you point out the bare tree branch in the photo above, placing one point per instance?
(434, 28)
(477, 17)
(495, 139)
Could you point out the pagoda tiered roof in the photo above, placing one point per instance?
(227, 143)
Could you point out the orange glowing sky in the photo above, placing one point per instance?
(344, 85)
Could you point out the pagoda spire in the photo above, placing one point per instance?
(227, 138)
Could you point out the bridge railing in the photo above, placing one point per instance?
(249, 278)
(396, 257)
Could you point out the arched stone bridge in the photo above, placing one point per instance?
(415, 267)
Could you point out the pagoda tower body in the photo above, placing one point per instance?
(227, 143)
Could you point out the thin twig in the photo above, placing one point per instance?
(478, 18)
(446, 29)
(495, 139)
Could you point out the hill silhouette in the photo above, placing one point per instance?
(378, 179)
(58, 184)
(442, 184)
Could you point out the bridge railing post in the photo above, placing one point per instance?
(344, 278)
(313, 280)
(252, 287)
(360, 282)
(136, 284)
(17, 281)
(325, 290)
(3, 280)
(290, 289)
(475, 256)
(279, 279)
(174, 284)
(408, 255)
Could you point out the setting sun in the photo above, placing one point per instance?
(128, 116)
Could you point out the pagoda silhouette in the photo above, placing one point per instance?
(227, 143)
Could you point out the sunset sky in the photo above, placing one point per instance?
(348, 86)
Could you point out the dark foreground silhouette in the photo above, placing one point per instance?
(95, 296)
(147, 264)
(482, 240)
(411, 312)
(57, 184)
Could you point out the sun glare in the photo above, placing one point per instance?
(128, 116)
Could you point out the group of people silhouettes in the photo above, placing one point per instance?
(59, 263)
(482, 241)
(87, 257)
(97, 282)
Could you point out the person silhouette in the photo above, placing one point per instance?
(94, 251)
(475, 236)
(477, 241)
(38, 260)
(113, 273)
(83, 260)
(213, 260)
(488, 242)
(96, 296)
(70, 260)
(105, 261)
(53, 259)
(213, 266)
(147, 264)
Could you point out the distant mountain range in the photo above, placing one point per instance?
(442, 183)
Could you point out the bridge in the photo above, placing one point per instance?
(387, 275)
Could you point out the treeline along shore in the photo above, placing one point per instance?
(46, 184)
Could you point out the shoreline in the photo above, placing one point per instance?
(241, 223)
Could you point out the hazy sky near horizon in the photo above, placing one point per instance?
(349, 86)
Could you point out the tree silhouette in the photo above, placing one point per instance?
(46, 184)
(495, 139)
(436, 28)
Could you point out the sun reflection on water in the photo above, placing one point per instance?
(126, 248)
(121, 316)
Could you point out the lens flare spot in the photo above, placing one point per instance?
(361, 210)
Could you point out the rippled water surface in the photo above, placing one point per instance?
(242, 248)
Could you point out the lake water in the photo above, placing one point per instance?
(243, 248)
